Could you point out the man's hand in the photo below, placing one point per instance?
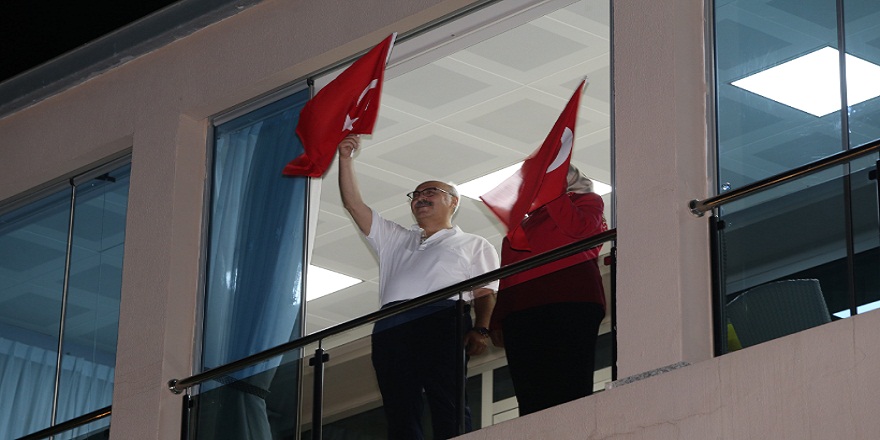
(484, 301)
(348, 146)
(475, 344)
(348, 186)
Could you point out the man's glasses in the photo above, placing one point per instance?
(427, 192)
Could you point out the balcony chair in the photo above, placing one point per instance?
(777, 309)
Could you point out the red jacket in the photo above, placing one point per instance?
(566, 219)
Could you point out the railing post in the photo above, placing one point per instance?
(611, 260)
(186, 417)
(719, 318)
(460, 380)
(875, 176)
(318, 391)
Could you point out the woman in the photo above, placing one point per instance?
(547, 318)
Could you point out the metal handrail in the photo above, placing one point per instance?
(82, 420)
(699, 207)
(177, 386)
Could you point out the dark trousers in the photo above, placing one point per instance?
(420, 350)
(551, 353)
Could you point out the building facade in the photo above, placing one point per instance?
(160, 109)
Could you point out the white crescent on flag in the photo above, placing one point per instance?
(541, 179)
(567, 140)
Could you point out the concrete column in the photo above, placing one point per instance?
(660, 141)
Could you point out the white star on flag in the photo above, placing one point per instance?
(353, 98)
(349, 122)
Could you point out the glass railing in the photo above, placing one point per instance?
(92, 426)
(796, 250)
(282, 393)
(324, 385)
(243, 403)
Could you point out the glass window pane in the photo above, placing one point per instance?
(94, 288)
(760, 136)
(863, 41)
(258, 406)
(255, 264)
(824, 226)
(794, 233)
(257, 234)
(866, 237)
(33, 246)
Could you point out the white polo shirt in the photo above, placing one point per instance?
(409, 268)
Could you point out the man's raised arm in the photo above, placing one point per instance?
(348, 186)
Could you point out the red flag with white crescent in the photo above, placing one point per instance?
(347, 105)
(542, 178)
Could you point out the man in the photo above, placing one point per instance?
(418, 350)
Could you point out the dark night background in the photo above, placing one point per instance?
(35, 31)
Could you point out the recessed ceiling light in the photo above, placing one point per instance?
(600, 188)
(811, 83)
(322, 282)
(481, 185)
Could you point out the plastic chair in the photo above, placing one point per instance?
(777, 309)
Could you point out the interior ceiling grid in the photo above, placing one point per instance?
(460, 117)
(770, 135)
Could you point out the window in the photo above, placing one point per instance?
(255, 268)
(820, 227)
(60, 282)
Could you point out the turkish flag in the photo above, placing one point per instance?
(347, 105)
(542, 178)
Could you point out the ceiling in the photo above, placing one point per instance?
(458, 113)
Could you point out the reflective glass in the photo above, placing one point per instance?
(94, 287)
(758, 136)
(255, 267)
(866, 237)
(257, 235)
(98, 430)
(258, 402)
(353, 403)
(823, 226)
(862, 30)
(795, 232)
(33, 255)
(33, 247)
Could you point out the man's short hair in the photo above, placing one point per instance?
(453, 189)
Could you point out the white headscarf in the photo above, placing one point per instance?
(577, 182)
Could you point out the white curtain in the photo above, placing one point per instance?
(255, 264)
(27, 374)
